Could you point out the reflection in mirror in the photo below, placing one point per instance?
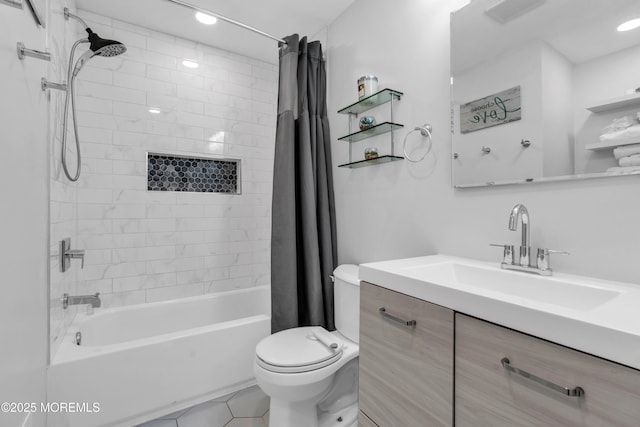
(544, 90)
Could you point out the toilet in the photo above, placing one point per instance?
(311, 374)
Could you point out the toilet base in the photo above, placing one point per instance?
(293, 414)
(347, 417)
(288, 414)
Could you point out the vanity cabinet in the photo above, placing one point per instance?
(488, 394)
(406, 370)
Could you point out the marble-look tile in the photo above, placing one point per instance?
(251, 402)
(245, 422)
(175, 415)
(209, 414)
(169, 293)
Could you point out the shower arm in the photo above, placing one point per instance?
(68, 15)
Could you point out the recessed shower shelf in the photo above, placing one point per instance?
(377, 161)
(371, 132)
(378, 98)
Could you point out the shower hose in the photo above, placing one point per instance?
(70, 94)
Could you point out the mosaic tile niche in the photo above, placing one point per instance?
(167, 172)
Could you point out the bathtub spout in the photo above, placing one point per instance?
(92, 300)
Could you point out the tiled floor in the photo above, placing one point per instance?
(245, 408)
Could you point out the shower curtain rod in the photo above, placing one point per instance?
(229, 20)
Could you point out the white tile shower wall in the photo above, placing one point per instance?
(62, 192)
(150, 246)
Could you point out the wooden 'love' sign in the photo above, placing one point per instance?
(502, 107)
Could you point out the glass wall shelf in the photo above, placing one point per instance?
(378, 98)
(377, 161)
(371, 132)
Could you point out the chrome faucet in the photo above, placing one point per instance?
(92, 300)
(520, 212)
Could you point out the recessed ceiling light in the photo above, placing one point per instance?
(189, 64)
(154, 111)
(206, 19)
(629, 25)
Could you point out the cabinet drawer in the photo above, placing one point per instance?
(406, 372)
(487, 394)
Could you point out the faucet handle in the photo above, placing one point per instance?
(76, 254)
(542, 260)
(507, 255)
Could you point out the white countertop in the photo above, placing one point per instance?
(610, 330)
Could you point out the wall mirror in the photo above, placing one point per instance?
(544, 90)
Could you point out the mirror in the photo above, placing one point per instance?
(536, 86)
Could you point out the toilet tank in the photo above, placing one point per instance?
(346, 299)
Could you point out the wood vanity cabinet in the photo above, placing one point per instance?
(406, 372)
(486, 394)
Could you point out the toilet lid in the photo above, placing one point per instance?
(298, 350)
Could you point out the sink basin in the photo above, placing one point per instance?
(567, 293)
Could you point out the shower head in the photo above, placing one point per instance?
(98, 47)
(104, 47)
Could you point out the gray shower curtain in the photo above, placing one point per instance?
(303, 240)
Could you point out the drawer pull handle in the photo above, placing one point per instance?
(383, 313)
(573, 392)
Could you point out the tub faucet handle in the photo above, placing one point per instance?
(76, 254)
(67, 254)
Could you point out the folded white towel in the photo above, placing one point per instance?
(626, 150)
(628, 133)
(616, 170)
(630, 160)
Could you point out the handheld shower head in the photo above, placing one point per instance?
(82, 60)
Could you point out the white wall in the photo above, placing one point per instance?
(399, 209)
(23, 217)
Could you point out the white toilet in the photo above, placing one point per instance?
(310, 374)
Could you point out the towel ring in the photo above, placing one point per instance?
(424, 131)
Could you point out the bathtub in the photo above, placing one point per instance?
(140, 362)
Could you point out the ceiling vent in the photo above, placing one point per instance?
(504, 11)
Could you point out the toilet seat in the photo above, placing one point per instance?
(299, 350)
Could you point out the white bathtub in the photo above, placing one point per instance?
(140, 362)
